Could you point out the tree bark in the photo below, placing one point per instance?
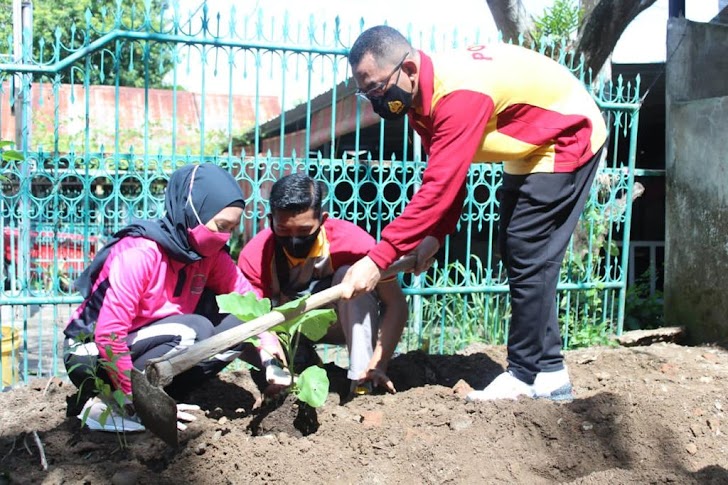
(511, 19)
(603, 26)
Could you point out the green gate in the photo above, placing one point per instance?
(102, 117)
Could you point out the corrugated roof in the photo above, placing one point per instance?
(297, 115)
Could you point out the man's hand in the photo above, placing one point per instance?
(183, 416)
(362, 277)
(425, 254)
(378, 378)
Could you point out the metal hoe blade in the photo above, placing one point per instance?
(157, 410)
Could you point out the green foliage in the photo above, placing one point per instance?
(311, 384)
(237, 241)
(62, 26)
(9, 155)
(643, 310)
(559, 23)
(313, 325)
(115, 399)
(452, 321)
(245, 307)
(591, 335)
(584, 315)
(456, 320)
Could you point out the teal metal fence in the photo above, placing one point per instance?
(103, 113)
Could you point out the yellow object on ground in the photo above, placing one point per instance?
(8, 355)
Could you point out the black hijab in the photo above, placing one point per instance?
(213, 189)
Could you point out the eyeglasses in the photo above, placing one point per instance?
(380, 88)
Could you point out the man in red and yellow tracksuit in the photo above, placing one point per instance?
(490, 103)
(305, 251)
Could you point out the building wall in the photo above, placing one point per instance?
(128, 114)
(696, 275)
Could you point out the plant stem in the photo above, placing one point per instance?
(294, 350)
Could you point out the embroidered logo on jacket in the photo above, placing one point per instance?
(198, 283)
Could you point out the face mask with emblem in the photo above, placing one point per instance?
(393, 104)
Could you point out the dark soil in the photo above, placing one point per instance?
(652, 414)
(285, 415)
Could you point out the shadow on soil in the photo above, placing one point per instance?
(594, 434)
(418, 369)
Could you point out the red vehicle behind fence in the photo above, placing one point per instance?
(49, 248)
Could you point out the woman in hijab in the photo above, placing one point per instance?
(142, 289)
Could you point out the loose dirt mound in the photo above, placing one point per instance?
(646, 414)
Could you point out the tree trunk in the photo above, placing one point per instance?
(603, 26)
(511, 19)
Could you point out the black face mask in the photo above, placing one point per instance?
(393, 104)
(298, 247)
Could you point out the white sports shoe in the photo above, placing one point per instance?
(554, 385)
(98, 418)
(505, 386)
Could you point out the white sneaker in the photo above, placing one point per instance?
(95, 415)
(505, 386)
(554, 385)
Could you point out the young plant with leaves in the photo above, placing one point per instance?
(312, 385)
(116, 401)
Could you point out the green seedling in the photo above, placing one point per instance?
(116, 400)
(312, 385)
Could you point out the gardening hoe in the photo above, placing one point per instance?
(158, 411)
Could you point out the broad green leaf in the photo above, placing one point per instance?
(246, 307)
(12, 155)
(313, 324)
(6, 143)
(288, 327)
(316, 323)
(313, 386)
(292, 306)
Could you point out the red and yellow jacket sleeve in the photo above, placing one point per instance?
(458, 124)
(489, 103)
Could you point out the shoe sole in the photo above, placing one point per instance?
(562, 394)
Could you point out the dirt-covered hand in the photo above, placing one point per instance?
(379, 379)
